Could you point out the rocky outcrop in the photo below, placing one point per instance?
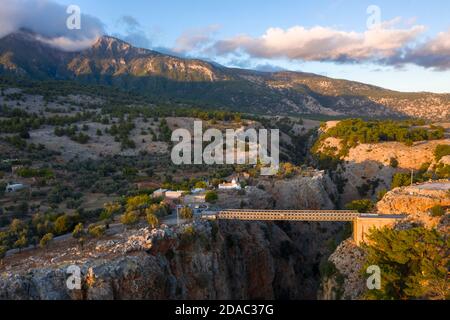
(202, 260)
(344, 279)
(367, 168)
(417, 201)
(419, 198)
(317, 192)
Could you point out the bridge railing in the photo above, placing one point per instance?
(288, 215)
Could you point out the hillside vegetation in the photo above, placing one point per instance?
(356, 131)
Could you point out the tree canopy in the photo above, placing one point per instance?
(414, 263)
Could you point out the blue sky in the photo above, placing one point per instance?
(164, 22)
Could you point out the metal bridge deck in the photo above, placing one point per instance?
(288, 215)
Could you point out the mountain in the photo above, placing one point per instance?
(111, 61)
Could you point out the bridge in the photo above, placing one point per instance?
(362, 222)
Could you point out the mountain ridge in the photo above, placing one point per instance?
(111, 61)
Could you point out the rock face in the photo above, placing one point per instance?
(367, 166)
(408, 157)
(204, 260)
(345, 280)
(316, 192)
(415, 199)
(300, 192)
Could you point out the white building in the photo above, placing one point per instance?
(233, 185)
(159, 193)
(173, 195)
(14, 187)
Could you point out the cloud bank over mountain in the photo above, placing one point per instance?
(48, 19)
(434, 54)
(385, 44)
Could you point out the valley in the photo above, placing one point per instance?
(87, 180)
(89, 170)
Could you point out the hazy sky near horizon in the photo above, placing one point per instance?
(407, 49)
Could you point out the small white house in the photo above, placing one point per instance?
(233, 185)
(14, 187)
(159, 193)
(173, 195)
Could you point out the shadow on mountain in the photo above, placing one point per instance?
(244, 96)
(364, 180)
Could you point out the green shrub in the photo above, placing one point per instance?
(97, 231)
(78, 231)
(211, 196)
(45, 240)
(186, 213)
(327, 269)
(31, 173)
(441, 151)
(157, 209)
(393, 163)
(362, 206)
(200, 185)
(62, 224)
(437, 211)
(413, 262)
(400, 180)
(3, 250)
(443, 171)
(152, 220)
(129, 218)
(381, 194)
(187, 237)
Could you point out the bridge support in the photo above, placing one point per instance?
(364, 223)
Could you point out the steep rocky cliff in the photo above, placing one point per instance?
(417, 201)
(343, 279)
(418, 198)
(367, 169)
(316, 191)
(204, 260)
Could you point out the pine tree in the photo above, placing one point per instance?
(414, 263)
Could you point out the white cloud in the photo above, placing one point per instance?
(322, 43)
(195, 39)
(48, 19)
(434, 53)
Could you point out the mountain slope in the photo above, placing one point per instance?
(111, 61)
